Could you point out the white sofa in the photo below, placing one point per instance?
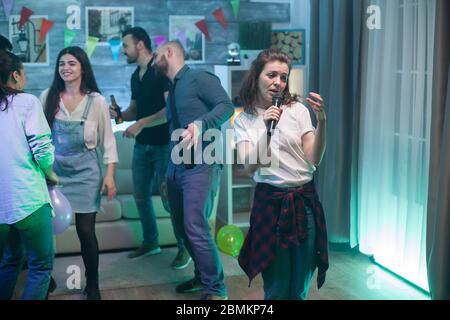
(118, 225)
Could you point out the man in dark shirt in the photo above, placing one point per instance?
(197, 102)
(151, 131)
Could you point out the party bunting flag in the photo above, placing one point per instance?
(68, 37)
(181, 36)
(90, 45)
(7, 7)
(159, 40)
(25, 14)
(235, 6)
(220, 17)
(45, 28)
(115, 45)
(201, 24)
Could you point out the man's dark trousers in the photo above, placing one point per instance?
(191, 194)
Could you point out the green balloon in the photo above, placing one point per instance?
(230, 239)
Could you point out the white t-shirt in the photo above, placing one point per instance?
(97, 127)
(289, 166)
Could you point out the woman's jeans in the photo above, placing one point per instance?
(149, 165)
(288, 277)
(32, 236)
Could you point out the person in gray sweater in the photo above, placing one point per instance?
(197, 103)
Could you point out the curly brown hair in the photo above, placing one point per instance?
(249, 88)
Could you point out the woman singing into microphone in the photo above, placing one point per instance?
(287, 238)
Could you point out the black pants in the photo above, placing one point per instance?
(85, 225)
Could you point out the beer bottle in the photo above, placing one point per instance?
(115, 106)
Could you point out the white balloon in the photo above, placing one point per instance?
(61, 208)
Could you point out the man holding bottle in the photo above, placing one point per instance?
(151, 131)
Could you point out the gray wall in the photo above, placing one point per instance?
(300, 19)
(153, 15)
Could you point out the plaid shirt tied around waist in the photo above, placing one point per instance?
(278, 217)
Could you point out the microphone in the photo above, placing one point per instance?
(277, 100)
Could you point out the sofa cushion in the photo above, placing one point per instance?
(161, 212)
(122, 234)
(125, 147)
(124, 174)
(129, 209)
(109, 211)
(124, 180)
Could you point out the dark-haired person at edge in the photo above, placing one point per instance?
(151, 150)
(196, 100)
(287, 238)
(5, 44)
(26, 163)
(82, 134)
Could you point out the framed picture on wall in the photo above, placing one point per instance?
(25, 40)
(184, 29)
(292, 42)
(106, 23)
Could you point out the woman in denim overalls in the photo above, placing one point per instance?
(79, 118)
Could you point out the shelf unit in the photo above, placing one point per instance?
(236, 186)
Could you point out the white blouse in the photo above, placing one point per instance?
(289, 165)
(97, 127)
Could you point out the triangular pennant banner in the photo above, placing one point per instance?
(220, 17)
(45, 28)
(201, 24)
(25, 14)
(235, 6)
(7, 7)
(69, 35)
(91, 43)
(115, 45)
(159, 40)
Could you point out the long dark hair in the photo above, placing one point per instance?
(249, 88)
(88, 82)
(9, 63)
